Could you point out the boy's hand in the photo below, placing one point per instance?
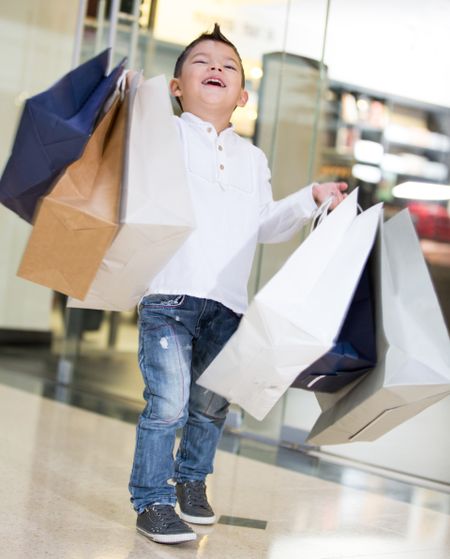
(322, 191)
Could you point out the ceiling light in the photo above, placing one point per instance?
(256, 73)
(422, 191)
(369, 152)
(366, 173)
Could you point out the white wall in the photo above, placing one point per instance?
(23, 305)
(36, 40)
(36, 43)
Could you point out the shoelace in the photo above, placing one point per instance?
(196, 494)
(167, 515)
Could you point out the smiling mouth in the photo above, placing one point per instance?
(213, 81)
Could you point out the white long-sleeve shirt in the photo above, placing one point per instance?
(229, 181)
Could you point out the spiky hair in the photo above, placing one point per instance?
(216, 35)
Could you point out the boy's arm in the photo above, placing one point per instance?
(279, 221)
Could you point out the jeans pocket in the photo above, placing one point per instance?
(162, 301)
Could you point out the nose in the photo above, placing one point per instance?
(216, 67)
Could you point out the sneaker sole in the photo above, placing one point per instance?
(197, 519)
(168, 538)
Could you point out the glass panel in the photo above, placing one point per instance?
(391, 116)
(287, 129)
(386, 121)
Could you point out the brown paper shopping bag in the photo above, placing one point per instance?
(77, 221)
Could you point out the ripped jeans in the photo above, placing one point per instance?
(179, 336)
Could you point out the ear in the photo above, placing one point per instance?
(243, 98)
(175, 88)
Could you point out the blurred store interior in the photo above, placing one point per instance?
(339, 90)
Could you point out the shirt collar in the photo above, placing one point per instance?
(200, 123)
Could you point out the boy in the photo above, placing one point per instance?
(195, 303)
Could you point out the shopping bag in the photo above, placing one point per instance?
(294, 319)
(413, 368)
(53, 130)
(76, 222)
(354, 352)
(157, 212)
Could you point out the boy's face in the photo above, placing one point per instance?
(210, 79)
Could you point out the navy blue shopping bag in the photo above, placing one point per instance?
(52, 133)
(354, 352)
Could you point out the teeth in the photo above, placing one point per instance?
(213, 81)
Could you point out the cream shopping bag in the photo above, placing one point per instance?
(295, 317)
(413, 368)
(157, 213)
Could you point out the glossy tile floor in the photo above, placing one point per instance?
(64, 473)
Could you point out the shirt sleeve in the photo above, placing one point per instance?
(280, 221)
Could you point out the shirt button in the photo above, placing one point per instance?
(209, 130)
(220, 148)
(221, 167)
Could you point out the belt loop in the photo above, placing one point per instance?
(139, 304)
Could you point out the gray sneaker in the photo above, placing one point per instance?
(194, 506)
(162, 524)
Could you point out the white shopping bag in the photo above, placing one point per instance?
(413, 368)
(295, 317)
(157, 214)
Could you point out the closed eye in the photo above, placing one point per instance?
(230, 67)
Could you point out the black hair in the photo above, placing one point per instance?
(215, 35)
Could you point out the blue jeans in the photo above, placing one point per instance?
(179, 336)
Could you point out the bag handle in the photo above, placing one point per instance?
(120, 90)
(122, 83)
(322, 212)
